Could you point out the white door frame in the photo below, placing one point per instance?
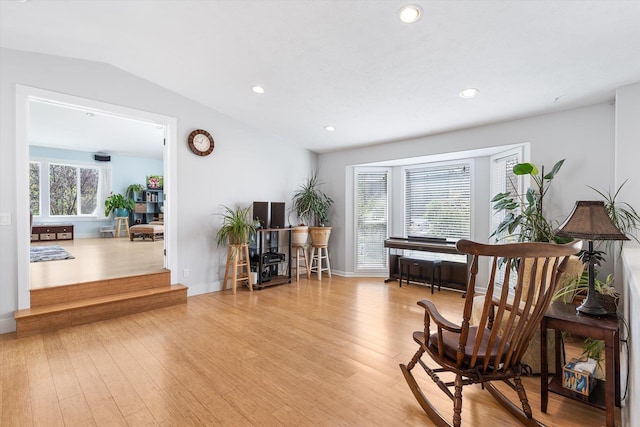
(24, 95)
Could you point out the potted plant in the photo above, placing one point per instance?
(133, 189)
(524, 216)
(312, 207)
(118, 203)
(237, 226)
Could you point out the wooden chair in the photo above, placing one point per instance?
(479, 354)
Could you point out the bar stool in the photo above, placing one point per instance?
(316, 260)
(237, 257)
(122, 221)
(296, 262)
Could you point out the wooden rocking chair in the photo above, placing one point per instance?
(478, 354)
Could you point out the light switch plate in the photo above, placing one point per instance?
(5, 218)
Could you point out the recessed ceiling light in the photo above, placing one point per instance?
(469, 92)
(329, 128)
(257, 89)
(410, 13)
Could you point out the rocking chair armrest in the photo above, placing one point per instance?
(433, 312)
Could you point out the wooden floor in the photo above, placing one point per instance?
(97, 259)
(314, 353)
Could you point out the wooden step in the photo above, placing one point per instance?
(57, 316)
(82, 291)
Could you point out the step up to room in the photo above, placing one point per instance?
(72, 305)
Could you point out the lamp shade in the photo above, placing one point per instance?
(589, 220)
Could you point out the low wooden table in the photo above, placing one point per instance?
(564, 317)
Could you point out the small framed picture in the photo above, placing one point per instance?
(154, 182)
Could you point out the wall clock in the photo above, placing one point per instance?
(201, 142)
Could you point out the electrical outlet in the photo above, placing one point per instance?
(5, 218)
(185, 272)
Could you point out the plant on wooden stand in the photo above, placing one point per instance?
(311, 205)
(117, 201)
(237, 226)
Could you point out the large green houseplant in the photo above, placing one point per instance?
(311, 204)
(117, 202)
(236, 227)
(524, 215)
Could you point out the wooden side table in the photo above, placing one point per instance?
(564, 317)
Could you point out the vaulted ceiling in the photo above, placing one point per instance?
(350, 64)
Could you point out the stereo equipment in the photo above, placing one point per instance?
(261, 213)
(277, 215)
(102, 158)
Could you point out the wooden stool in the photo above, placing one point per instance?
(122, 221)
(316, 260)
(296, 262)
(238, 257)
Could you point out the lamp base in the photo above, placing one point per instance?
(592, 307)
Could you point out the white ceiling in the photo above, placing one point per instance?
(350, 63)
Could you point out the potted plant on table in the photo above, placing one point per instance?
(118, 203)
(312, 207)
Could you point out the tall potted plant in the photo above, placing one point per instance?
(312, 207)
(118, 203)
(236, 226)
(524, 216)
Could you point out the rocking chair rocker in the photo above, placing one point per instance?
(478, 354)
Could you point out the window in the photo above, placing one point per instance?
(372, 218)
(438, 201)
(504, 180)
(34, 188)
(66, 190)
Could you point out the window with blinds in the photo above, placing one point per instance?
(504, 180)
(372, 218)
(438, 201)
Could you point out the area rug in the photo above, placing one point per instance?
(49, 253)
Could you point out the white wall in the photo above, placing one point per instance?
(584, 137)
(246, 165)
(627, 156)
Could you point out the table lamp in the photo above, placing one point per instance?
(590, 221)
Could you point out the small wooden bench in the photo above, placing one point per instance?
(152, 231)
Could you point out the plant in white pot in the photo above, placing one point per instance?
(311, 205)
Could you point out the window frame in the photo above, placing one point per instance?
(357, 171)
(45, 203)
(403, 172)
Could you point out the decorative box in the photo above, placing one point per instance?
(141, 207)
(579, 375)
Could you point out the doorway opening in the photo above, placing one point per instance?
(29, 103)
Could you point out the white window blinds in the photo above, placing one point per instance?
(372, 219)
(503, 181)
(438, 201)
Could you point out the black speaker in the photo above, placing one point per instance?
(102, 158)
(277, 214)
(261, 213)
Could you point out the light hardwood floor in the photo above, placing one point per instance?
(314, 353)
(97, 259)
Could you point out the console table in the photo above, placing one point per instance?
(564, 317)
(51, 232)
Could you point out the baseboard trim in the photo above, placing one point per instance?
(7, 325)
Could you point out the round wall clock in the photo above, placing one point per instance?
(201, 142)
